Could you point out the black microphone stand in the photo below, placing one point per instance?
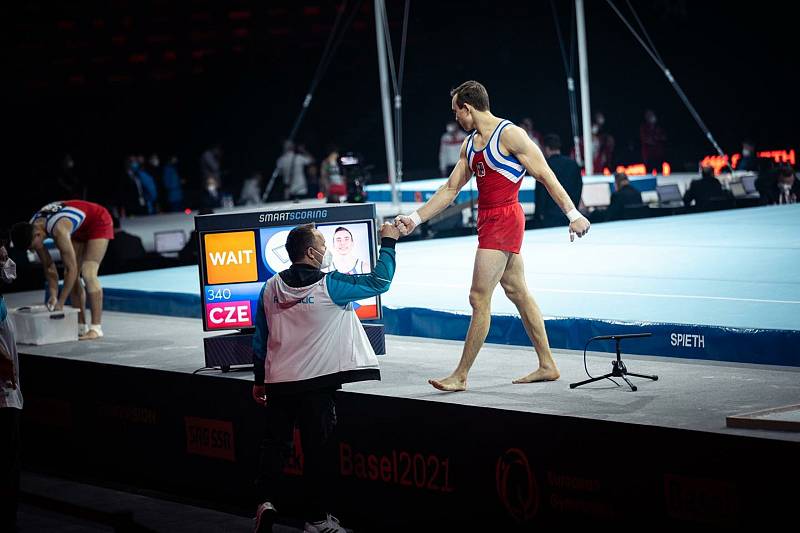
(618, 368)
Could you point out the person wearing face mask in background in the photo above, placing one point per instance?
(450, 148)
(173, 186)
(603, 144)
(308, 342)
(603, 148)
(784, 190)
(749, 159)
(10, 404)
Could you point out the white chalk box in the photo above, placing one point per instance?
(36, 325)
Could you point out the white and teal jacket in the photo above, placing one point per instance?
(307, 333)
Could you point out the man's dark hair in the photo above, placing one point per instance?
(299, 240)
(22, 235)
(472, 93)
(342, 228)
(552, 141)
(707, 172)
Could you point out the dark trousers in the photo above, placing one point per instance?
(9, 467)
(314, 414)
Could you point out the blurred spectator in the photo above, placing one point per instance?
(603, 145)
(785, 188)
(527, 125)
(624, 196)
(149, 186)
(125, 251)
(251, 189)
(450, 148)
(152, 165)
(211, 196)
(292, 165)
(654, 142)
(211, 167)
(749, 160)
(703, 192)
(547, 213)
(138, 193)
(331, 179)
(173, 186)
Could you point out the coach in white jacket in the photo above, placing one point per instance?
(308, 341)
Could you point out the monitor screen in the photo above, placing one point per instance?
(738, 190)
(669, 193)
(169, 241)
(596, 194)
(237, 263)
(749, 184)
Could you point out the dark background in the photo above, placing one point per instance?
(101, 80)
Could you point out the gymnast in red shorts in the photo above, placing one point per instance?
(498, 153)
(81, 231)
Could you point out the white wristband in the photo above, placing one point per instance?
(574, 215)
(415, 217)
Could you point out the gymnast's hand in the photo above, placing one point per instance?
(390, 230)
(53, 305)
(405, 224)
(579, 227)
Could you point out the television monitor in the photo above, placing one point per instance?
(169, 241)
(669, 193)
(596, 194)
(239, 252)
(738, 190)
(749, 184)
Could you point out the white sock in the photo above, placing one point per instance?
(97, 328)
(83, 329)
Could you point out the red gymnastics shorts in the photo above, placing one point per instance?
(501, 228)
(98, 224)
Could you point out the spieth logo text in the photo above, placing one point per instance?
(231, 257)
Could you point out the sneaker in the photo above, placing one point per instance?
(265, 517)
(329, 525)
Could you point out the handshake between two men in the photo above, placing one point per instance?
(401, 226)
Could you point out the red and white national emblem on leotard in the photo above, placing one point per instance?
(481, 169)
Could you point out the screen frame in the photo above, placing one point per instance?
(255, 220)
(673, 189)
(597, 186)
(169, 232)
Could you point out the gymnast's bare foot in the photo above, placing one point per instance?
(541, 374)
(449, 384)
(89, 335)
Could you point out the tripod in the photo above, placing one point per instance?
(618, 368)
